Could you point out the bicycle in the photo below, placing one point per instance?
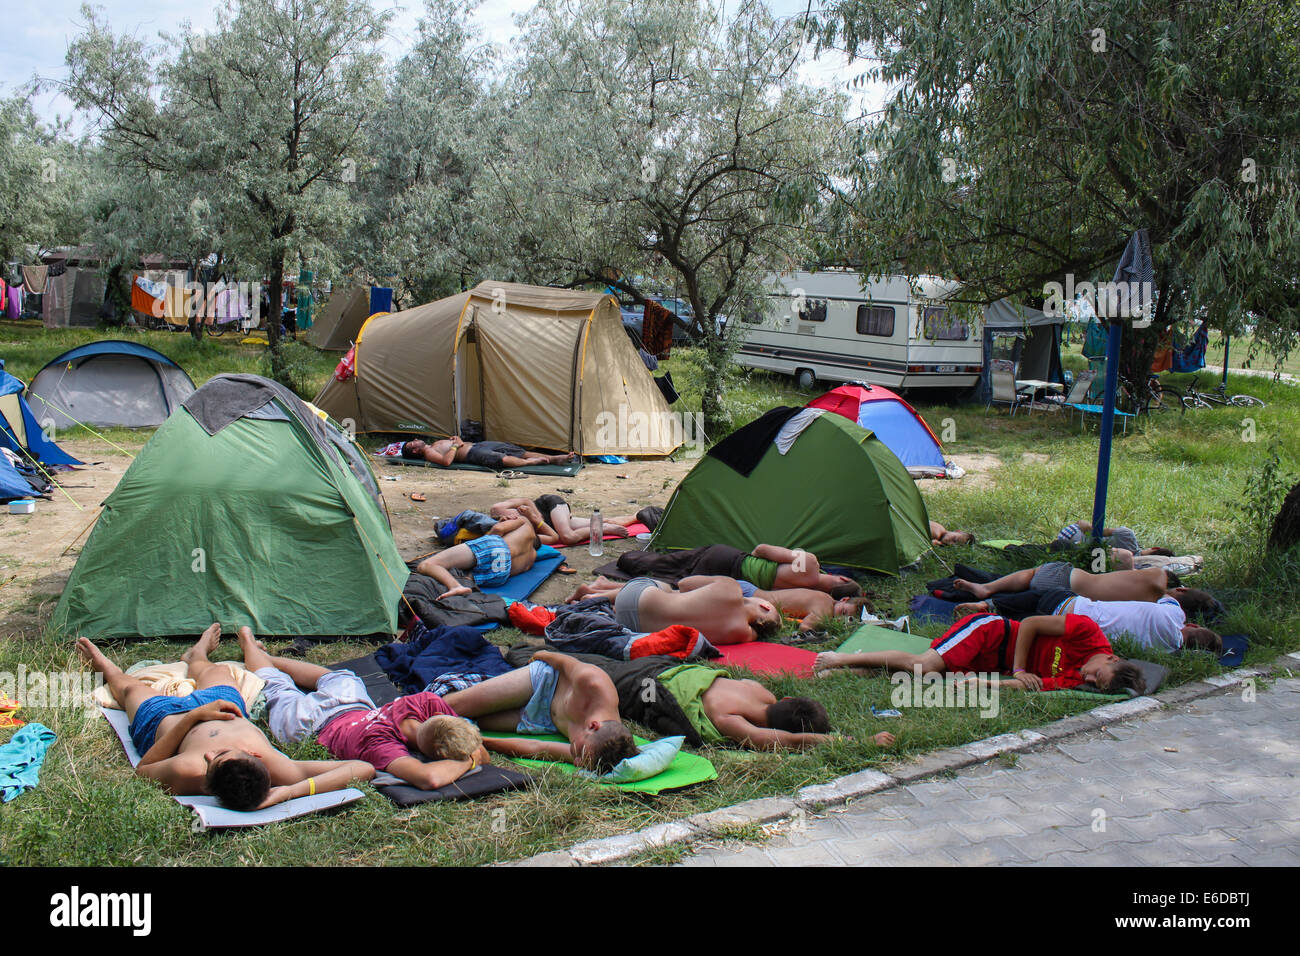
(1219, 396)
(1159, 397)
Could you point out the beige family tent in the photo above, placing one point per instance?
(544, 368)
(339, 323)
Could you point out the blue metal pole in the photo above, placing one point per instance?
(1227, 340)
(1107, 427)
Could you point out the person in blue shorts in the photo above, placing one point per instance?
(203, 743)
(509, 549)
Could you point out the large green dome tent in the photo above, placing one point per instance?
(248, 506)
(838, 493)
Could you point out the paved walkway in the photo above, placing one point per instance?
(1215, 781)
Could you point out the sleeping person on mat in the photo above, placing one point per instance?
(768, 566)
(747, 713)
(204, 743)
(304, 699)
(488, 454)
(554, 523)
(1056, 652)
(555, 693)
(714, 606)
(509, 549)
(1147, 584)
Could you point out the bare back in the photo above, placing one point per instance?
(1147, 584)
(716, 610)
(741, 698)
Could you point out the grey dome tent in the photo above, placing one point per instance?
(106, 384)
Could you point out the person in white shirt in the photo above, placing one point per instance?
(1161, 624)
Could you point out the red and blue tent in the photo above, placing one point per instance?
(894, 422)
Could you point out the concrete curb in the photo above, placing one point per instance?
(818, 797)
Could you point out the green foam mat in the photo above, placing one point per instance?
(567, 470)
(873, 637)
(685, 770)
(1001, 544)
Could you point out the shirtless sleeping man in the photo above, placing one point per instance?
(489, 454)
(204, 743)
(555, 693)
(1147, 584)
(745, 712)
(714, 606)
(510, 549)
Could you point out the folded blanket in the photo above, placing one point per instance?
(173, 680)
(430, 653)
(423, 595)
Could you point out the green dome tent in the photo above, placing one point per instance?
(248, 506)
(838, 493)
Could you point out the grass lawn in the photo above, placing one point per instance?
(1178, 479)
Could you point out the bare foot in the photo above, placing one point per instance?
(205, 645)
(246, 639)
(981, 591)
(825, 661)
(92, 654)
(973, 607)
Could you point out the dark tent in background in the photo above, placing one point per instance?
(337, 324)
(109, 383)
(1037, 343)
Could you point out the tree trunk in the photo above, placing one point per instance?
(717, 419)
(275, 279)
(1286, 527)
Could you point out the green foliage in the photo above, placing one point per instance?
(1262, 496)
(1023, 145)
(299, 367)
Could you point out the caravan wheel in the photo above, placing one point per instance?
(805, 378)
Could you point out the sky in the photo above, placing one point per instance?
(37, 44)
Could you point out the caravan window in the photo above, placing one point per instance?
(939, 326)
(814, 310)
(875, 320)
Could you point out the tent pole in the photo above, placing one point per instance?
(1227, 341)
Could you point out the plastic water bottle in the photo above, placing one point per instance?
(597, 546)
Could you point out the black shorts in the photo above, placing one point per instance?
(1049, 601)
(489, 454)
(548, 503)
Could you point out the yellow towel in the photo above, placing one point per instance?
(172, 680)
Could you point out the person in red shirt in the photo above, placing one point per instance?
(1047, 652)
(399, 737)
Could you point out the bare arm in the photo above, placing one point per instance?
(737, 728)
(773, 553)
(167, 745)
(697, 581)
(1030, 629)
(537, 749)
(567, 667)
(430, 775)
(340, 774)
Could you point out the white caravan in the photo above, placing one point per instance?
(836, 327)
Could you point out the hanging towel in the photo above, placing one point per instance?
(34, 278)
(21, 759)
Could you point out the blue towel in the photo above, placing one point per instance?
(21, 759)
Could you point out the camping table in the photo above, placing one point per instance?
(1030, 387)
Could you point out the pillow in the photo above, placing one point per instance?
(652, 760)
